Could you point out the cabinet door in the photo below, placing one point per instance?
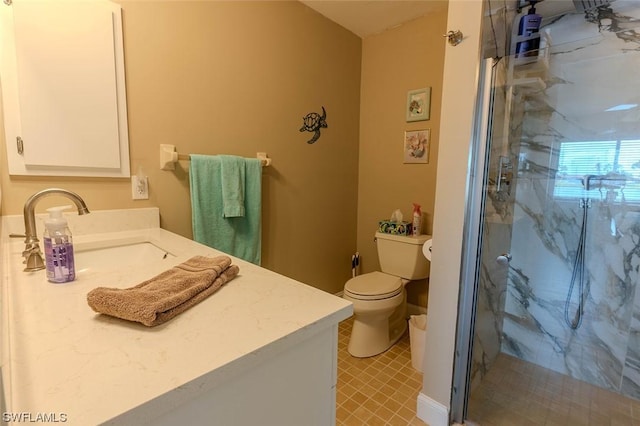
(68, 89)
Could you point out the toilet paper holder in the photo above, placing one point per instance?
(427, 249)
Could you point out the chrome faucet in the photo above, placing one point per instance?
(32, 253)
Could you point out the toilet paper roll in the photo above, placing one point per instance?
(426, 249)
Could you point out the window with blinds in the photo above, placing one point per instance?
(613, 167)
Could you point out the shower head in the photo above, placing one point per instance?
(585, 5)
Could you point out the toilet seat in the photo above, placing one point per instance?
(373, 286)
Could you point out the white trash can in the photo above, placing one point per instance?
(417, 330)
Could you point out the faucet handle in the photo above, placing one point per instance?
(17, 236)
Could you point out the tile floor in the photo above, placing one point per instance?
(516, 392)
(381, 390)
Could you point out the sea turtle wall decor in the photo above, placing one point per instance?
(313, 122)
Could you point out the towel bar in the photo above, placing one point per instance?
(169, 157)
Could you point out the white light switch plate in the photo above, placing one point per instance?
(139, 188)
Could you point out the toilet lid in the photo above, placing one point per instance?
(374, 285)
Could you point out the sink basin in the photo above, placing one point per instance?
(118, 253)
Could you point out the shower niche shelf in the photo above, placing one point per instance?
(529, 85)
(531, 66)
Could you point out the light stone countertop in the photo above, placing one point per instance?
(61, 357)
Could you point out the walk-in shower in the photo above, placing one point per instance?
(567, 121)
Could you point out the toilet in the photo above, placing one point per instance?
(379, 298)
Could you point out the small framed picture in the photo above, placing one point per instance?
(416, 146)
(418, 104)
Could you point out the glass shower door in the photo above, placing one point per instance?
(487, 240)
(551, 285)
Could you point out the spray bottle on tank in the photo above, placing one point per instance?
(417, 220)
(58, 247)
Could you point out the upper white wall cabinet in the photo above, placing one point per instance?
(63, 88)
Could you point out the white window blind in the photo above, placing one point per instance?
(613, 165)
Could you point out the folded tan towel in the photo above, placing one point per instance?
(166, 295)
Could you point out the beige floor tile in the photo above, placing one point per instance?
(350, 405)
(376, 421)
(392, 405)
(380, 390)
(371, 405)
(416, 422)
(359, 397)
(406, 413)
(515, 392)
(400, 397)
(384, 413)
(379, 398)
(342, 414)
(363, 414)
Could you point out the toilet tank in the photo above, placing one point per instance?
(402, 255)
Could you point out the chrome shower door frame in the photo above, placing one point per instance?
(471, 248)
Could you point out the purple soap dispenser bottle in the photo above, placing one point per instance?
(58, 247)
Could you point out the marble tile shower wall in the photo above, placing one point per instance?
(593, 67)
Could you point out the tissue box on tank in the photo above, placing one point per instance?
(396, 228)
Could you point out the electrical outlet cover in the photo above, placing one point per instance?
(139, 188)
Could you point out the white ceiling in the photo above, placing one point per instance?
(368, 17)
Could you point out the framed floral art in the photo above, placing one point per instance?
(418, 104)
(416, 146)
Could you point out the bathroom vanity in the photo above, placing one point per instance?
(261, 350)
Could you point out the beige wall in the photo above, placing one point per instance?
(394, 62)
(237, 78)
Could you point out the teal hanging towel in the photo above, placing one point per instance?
(226, 204)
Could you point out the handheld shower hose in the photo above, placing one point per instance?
(578, 273)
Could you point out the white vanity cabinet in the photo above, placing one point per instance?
(262, 350)
(291, 383)
(63, 88)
